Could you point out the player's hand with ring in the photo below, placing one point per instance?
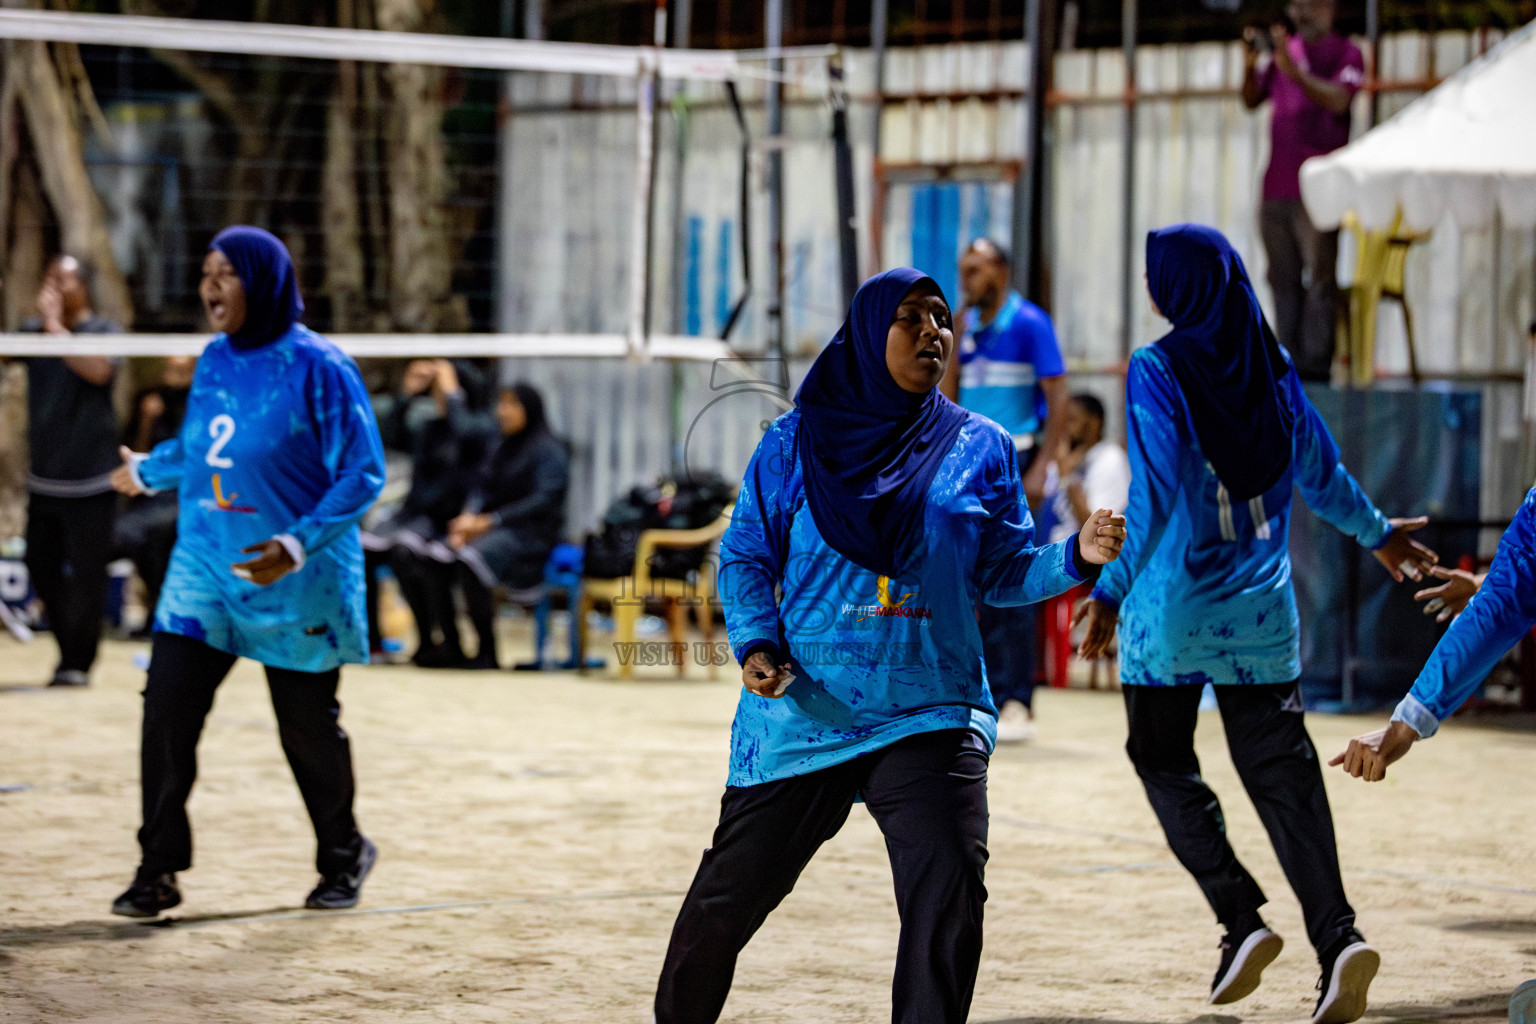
(272, 563)
(1101, 619)
(1102, 537)
(761, 676)
(1401, 555)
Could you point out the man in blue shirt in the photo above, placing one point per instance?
(1010, 370)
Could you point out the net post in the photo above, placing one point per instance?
(640, 215)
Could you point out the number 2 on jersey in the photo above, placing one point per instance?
(221, 428)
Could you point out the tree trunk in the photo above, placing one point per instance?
(421, 272)
(340, 212)
(60, 153)
(341, 219)
(10, 149)
(23, 273)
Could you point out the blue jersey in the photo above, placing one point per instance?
(1499, 614)
(1203, 583)
(277, 440)
(875, 659)
(1003, 362)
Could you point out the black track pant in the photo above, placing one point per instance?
(929, 795)
(1278, 764)
(69, 543)
(183, 675)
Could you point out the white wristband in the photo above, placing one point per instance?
(295, 550)
(1412, 713)
(134, 459)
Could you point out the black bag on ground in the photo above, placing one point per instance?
(666, 505)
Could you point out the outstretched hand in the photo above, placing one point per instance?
(1402, 555)
(1450, 597)
(1101, 619)
(1368, 756)
(123, 481)
(1102, 537)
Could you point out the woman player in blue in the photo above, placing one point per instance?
(277, 460)
(1220, 434)
(882, 513)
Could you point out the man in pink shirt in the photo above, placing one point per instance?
(1311, 77)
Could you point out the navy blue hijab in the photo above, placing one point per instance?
(265, 269)
(868, 449)
(1224, 356)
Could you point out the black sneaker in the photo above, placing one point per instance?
(70, 677)
(342, 890)
(1349, 966)
(147, 896)
(1245, 951)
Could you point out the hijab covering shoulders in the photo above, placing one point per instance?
(272, 302)
(1223, 355)
(869, 449)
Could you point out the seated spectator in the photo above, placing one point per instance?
(446, 441)
(1095, 473)
(511, 521)
(145, 530)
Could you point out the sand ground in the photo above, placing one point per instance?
(537, 832)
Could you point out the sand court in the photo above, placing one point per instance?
(537, 832)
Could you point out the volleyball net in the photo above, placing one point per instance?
(441, 194)
(595, 220)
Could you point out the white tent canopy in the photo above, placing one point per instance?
(1466, 147)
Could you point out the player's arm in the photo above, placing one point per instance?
(1502, 611)
(1154, 413)
(1330, 491)
(752, 560)
(354, 456)
(159, 470)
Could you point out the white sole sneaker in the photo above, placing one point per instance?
(1257, 952)
(1353, 972)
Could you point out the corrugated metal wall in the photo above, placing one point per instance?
(1200, 155)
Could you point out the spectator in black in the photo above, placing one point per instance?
(73, 438)
(146, 525)
(447, 442)
(510, 523)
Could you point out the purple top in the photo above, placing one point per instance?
(1299, 128)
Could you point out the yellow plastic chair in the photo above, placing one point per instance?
(627, 596)
(1381, 259)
